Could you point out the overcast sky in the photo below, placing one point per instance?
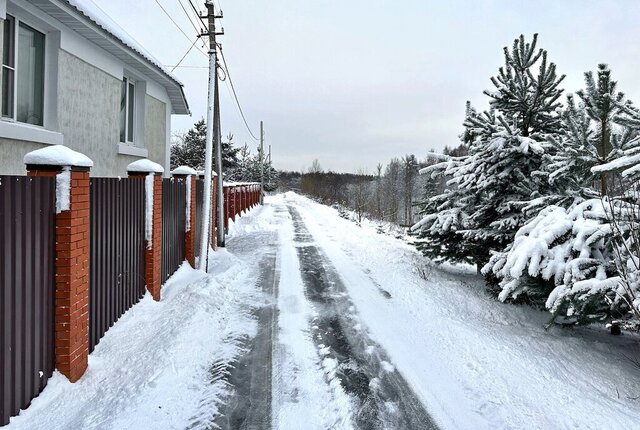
(356, 82)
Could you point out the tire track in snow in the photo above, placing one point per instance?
(249, 407)
(383, 397)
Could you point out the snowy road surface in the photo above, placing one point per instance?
(308, 321)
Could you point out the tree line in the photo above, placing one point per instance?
(388, 194)
(239, 164)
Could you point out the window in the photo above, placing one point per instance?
(127, 110)
(23, 73)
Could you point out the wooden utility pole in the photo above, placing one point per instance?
(213, 133)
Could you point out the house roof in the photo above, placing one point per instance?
(88, 20)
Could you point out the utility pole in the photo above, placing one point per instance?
(221, 232)
(212, 132)
(261, 163)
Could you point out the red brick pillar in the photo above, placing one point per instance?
(151, 173)
(71, 337)
(253, 196)
(188, 176)
(234, 195)
(227, 209)
(245, 205)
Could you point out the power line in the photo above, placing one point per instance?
(197, 12)
(235, 95)
(176, 24)
(198, 30)
(185, 55)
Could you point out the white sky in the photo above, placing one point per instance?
(357, 82)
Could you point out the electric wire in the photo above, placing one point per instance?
(185, 55)
(235, 95)
(198, 30)
(177, 26)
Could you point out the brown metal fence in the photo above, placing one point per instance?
(117, 251)
(27, 247)
(174, 197)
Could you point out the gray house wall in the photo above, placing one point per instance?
(88, 118)
(88, 114)
(155, 128)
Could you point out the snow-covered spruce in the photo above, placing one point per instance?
(576, 251)
(502, 183)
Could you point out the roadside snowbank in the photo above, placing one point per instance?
(153, 369)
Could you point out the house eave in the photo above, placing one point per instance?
(86, 27)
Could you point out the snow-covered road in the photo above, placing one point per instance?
(309, 321)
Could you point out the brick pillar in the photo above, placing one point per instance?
(151, 173)
(71, 301)
(245, 206)
(234, 205)
(227, 209)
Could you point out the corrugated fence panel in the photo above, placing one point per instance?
(27, 288)
(199, 201)
(117, 251)
(174, 196)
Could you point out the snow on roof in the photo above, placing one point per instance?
(145, 166)
(183, 170)
(98, 16)
(57, 155)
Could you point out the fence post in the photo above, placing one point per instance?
(71, 170)
(152, 174)
(189, 176)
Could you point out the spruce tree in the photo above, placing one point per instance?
(501, 184)
(573, 245)
(190, 149)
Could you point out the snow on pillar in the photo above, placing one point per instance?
(188, 175)
(71, 170)
(152, 174)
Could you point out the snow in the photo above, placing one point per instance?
(145, 166)
(153, 368)
(63, 190)
(474, 362)
(303, 395)
(57, 155)
(183, 170)
(201, 173)
(148, 209)
(98, 16)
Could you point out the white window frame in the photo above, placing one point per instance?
(129, 127)
(16, 28)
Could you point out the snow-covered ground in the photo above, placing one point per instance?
(473, 362)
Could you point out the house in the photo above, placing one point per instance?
(72, 76)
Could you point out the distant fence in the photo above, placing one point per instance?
(27, 252)
(116, 263)
(105, 225)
